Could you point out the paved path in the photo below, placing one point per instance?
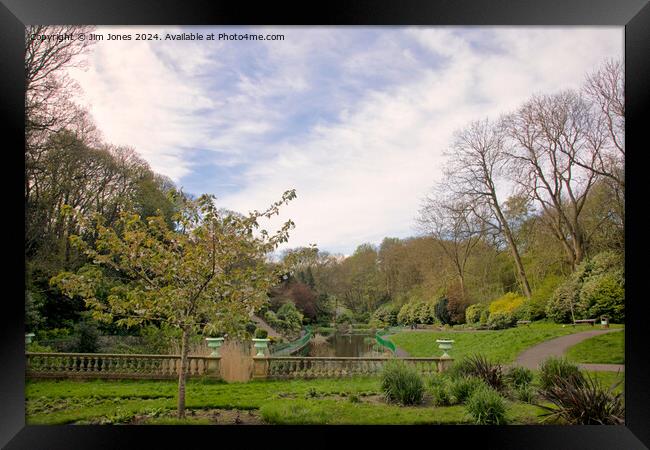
(532, 357)
(261, 324)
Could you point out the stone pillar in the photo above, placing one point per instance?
(260, 367)
(444, 364)
(214, 367)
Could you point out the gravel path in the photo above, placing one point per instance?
(532, 357)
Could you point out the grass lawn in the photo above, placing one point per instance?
(500, 345)
(605, 349)
(321, 401)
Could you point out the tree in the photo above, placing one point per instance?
(473, 172)
(455, 229)
(208, 273)
(549, 135)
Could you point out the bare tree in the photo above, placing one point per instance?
(455, 228)
(474, 171)
(549, 135)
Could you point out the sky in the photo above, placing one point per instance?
(356, 119)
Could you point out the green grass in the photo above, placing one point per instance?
(279, 402)
(499, 345)
(604, 349)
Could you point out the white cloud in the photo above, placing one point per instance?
(385, 111)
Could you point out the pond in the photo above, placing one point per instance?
(344, 344)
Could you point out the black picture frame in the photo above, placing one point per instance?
(634, 15)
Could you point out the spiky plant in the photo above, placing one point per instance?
(582, 400)
(481, 367)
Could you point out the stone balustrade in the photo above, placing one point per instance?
(283, 367)
(118, 366)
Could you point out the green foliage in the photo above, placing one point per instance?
(473, 313)
(86, 337)
(526, 393)
(486, 407)
(401, 383)
(250, 328)
(261, 333)
(439, 387)
(485, 316)
(564, 300)
(345, 316)
(501, 320)
(507, 303)
(582, 400)
(518, 376)
(462, 388)
(441, 311)
(35, 347)
(597, 287)
(535, 308)
(554, 369)
(604, 295)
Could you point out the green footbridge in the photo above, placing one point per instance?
(297, 347)
(385, 343)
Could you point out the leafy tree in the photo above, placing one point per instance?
(208, 274)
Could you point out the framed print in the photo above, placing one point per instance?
(371, 218)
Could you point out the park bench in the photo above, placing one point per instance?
(523, 322)
(591, 321)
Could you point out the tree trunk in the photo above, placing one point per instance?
(521, 273)
(182, 374)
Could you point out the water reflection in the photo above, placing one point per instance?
(342, 344)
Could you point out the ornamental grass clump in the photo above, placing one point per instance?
(401, 384)
(582, 400)
(439, 387)
(518, 376)
(462, 388)
(554, 368)
(486, 407)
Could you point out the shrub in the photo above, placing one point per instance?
(486, 407)
(566, 296)
(507, 303)
(441, 312)
(501, 320)
(604, 294)
(485, 316)
(261, 333)
(473, 312)
(35, 347)
(535, 308)
(405, 315)
(401, 383)
(553, 369)
(344, 317)
(526, 394)
(463, 387)
(354, 398)
(387, 314)
(583, 401)
(481, 367)
(439, 387)
(518, 376)
(251, 327)
(426, 313)
(86, 337)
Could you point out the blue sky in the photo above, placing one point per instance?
(355, 119)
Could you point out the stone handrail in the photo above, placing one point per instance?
(118, 366)
(281, 367)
